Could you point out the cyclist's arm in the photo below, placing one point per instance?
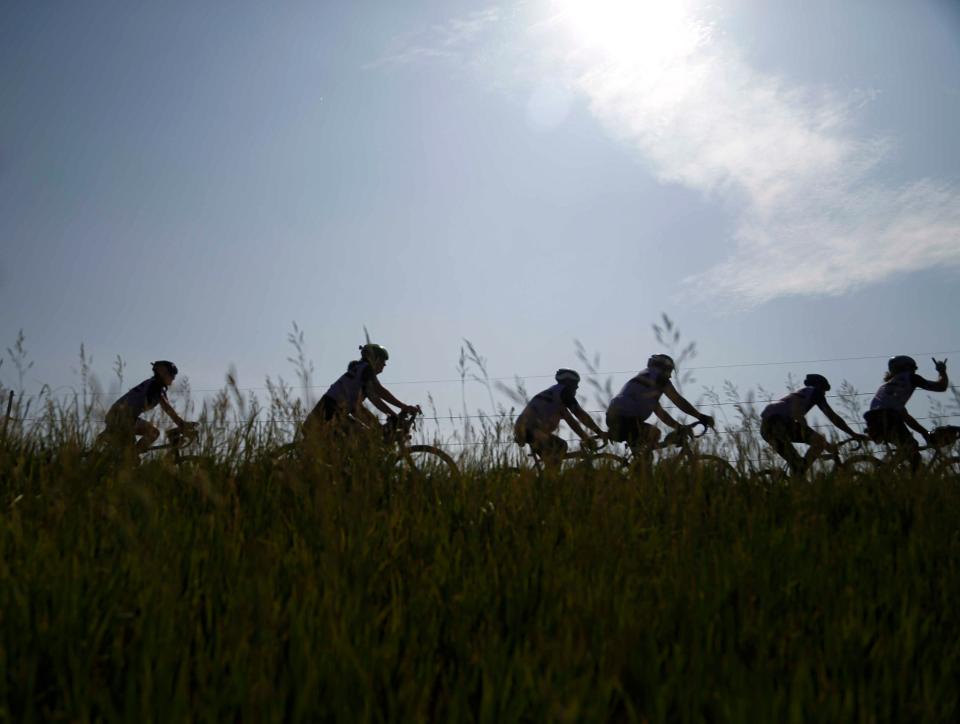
(665, 417)
(938, 385)
(378, 403)
(676, 398)
(836, 419)
(384, 394)
(574, 425)
(585, 418)
(171, 413)
(364, 418)
(908, 418)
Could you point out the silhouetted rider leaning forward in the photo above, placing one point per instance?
(538, 422)
(784, 422)
(341, 408)
(124, 423)
(639, 398)
(887, 419)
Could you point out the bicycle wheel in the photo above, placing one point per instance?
(189, 462)
(771, 476)
(284, 454)
(947, 466)
(863, 464)
(586, 456)
(714, 467)
(430, 459)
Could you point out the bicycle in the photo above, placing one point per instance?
(941, 439)
(396, 432)
(590, 451)
(687, 455)
(178, 438)
(852, 463)
(682, 437)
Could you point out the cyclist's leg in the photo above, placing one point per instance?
(907, 444)
(889, 426)
(118, 432)
(817, 443)
(777, 433)
(547, 447)
(642, 439)
(639, 436)
(147, 433)
(326, 421)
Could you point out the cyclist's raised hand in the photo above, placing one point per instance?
(941, 365)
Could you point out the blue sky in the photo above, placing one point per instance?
(184, 181)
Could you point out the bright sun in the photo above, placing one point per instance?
(633, 32)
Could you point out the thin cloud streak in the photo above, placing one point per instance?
(450, 40)
(810, 215)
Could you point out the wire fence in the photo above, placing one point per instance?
(514, 377)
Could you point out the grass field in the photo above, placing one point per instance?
(249, 591)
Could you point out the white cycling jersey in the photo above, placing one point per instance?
(639, 397)
(544, 411)
(794, 406)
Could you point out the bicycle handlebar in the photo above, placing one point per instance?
(847, 441)
(183, 435)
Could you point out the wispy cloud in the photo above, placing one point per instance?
(812, 215)
(454, 39)
(813, 207)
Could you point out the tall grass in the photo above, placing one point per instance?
(342, 586)
(357, 591)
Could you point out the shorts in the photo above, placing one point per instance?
(326, 412)
(327, 409)
(631, 430)
(888, 426)
(330, 415)
(544, 444)
(121, 419)
(785, 429)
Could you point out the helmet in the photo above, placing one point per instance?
(171, 367)
(901, 363)
(371, 352)
(567, 377)
(814, 380)
(662, 362)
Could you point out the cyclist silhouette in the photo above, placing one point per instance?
(541, 417)
(887, 419)
(341, 407)
(784, 422)
(123, 421)
(640, 398)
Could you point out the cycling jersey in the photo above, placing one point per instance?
(895, 392)
(544, 411)
(796, 405)
(352, 387)
(142, 398)
(639, 397)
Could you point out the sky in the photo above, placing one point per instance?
(186, 180)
